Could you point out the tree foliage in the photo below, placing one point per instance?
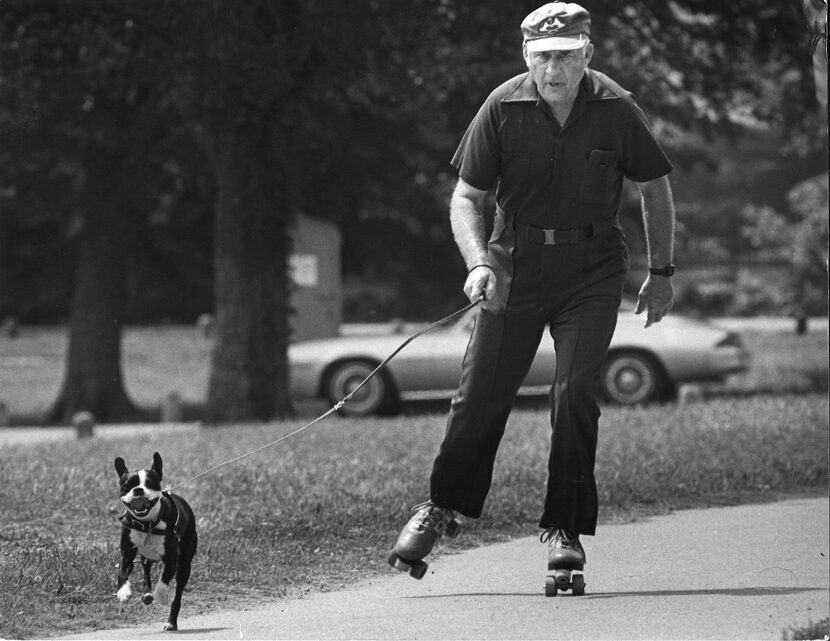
(136, 134)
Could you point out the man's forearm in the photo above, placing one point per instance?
(658, 218)
(468, 229)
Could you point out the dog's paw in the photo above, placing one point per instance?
(124, 592)
(160, 593)
(170, 627)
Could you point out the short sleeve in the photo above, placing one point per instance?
(477, 158)
(644, 158)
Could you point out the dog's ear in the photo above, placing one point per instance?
(120, 467)
(157, 464)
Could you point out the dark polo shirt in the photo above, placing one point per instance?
(559, 177)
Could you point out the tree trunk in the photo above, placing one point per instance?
(93, 379)
(8, 237)
(249, 373)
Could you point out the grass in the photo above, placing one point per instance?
(315, 511)
(156, 362)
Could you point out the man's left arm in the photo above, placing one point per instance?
(658, 217)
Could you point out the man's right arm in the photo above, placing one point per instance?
(468, 229)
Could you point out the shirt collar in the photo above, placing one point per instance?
(591, 88)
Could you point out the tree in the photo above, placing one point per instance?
(797, 238)
(251, 80)
(343, 110)
(72, 70)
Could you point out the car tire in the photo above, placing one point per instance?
(631, 378)
(377, 396)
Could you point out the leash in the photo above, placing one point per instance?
(340, 403)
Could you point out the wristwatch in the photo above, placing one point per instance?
(666, 271)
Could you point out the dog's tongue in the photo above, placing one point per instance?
(139, 504)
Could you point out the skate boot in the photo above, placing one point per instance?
(419, 535)
(566, 560)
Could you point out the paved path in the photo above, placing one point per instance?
(748, 572)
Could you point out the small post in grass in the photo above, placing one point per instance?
(83, 422)
(171, 408)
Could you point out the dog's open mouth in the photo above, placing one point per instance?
(140, 505)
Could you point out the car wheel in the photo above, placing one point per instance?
(630, 378)
(375, 397)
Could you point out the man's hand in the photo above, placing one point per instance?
(655, 296)
(480, 280)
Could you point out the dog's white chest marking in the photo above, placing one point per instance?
(150, 546)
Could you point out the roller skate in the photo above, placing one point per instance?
(419, 535)
(566, 560)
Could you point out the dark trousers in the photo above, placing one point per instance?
(576, 290)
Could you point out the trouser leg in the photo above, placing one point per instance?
(582, 332)
(500, 352)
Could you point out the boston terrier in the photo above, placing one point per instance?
(160, 527)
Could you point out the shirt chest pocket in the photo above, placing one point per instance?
(600, 175)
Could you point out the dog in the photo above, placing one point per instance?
(160, 527)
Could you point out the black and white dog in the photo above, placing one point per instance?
(160, 527)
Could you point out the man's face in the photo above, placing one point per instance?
(557, 73)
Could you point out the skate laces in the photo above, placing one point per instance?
(430, 516)
(559, 538)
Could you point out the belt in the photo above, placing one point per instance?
(562, 236)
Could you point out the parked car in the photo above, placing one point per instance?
(643, 365)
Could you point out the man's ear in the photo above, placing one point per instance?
(589, 52)
(524, 54)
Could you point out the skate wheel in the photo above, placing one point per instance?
(418, 570)
(550, 586)
(402, 565)
(578, 585)
(563, 579)
(452, 528)
(397, 562)
(392, 559)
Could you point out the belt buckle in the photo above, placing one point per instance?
(550, 236)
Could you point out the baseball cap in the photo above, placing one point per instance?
(557, 25)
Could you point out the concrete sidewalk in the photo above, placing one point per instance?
(748, 572)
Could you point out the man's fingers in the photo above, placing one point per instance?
(480, 282)
(490, 290)
(655, 316)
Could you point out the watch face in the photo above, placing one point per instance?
(662, 271)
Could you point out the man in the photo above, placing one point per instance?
(557, 141)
